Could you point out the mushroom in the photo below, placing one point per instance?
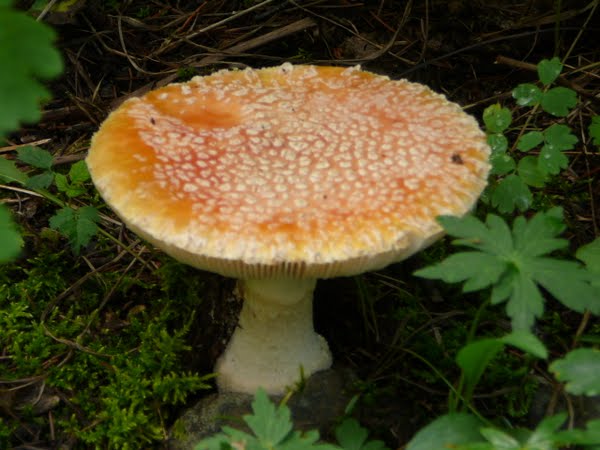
(283, 175)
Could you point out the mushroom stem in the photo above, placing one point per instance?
(275, 341)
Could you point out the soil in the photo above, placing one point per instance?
(475, 52)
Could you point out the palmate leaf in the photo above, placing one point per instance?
(579, 369)
(270, 424)
(27, 56)
(79, 226)
(446, 432)
(515, 264)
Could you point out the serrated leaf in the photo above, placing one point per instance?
(527, 94)
(496, 118)
(40, 181)
(525, 304)
(549, 70)
(530, 173)
(511, 193)
(445, 432)
(567, 281)
(27, 56)
(79, 226)
(473, 359)
(537, 236)
(530, 140)
(9, 172)
(270, 424)
(579, 369)
(594, 130)
(560, 137)
(497, 142)
(74, 191)
(559, 101)
(551, 160)
(501, 164)
(61, 181)
(527, 342)
(36, 157)
(78, 173)
(517, 265)
(10, 239)
(351, 436)
(480, 269)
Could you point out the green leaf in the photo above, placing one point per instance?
(594, 130)
(496, 118)
(526, 341)
(79, 172)
(530, 173)
(9, 172)
(559, 101)
(480, 269)
(525, 304)
(446, 432)
(27, 56)
(36, 157)
(270, 424)
(62, 183)
(10, 239)
(579, 369)
(527, 94)
(351, 436)
(41, 181)
(567, 281)
(497, 142)
(514, 264)
(551, 160)
(79, 226)
(544, 435)
(473, 359)
(511, 193)
(501, 164)
(549, 70)
(560, 137)
(537, 236)
(589, 436)
(500, 440)
(590, 255)
(530, 140)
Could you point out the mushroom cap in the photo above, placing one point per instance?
(290, 171)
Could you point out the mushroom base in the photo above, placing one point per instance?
(275, 343)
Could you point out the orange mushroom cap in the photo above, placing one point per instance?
(290, 171)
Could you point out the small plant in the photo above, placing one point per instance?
(79, 225)
(25, 62)
(512, 189)
(272, 429)
(512, 264)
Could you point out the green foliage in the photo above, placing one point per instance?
(594, 130)
(80, 225)
(27, 56)
(448, 431)
(512, 190)
(579, 369)
(513, 263)
(10, 239)
(118, 387)
(272, 429)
